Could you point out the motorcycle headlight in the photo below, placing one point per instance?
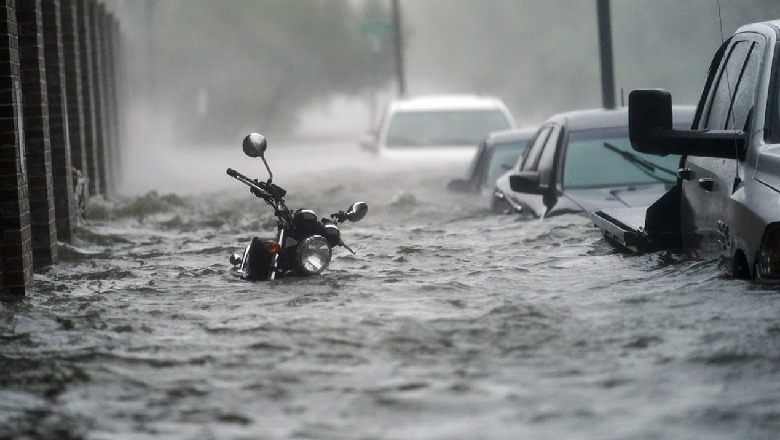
(313, 255)
(768, 261)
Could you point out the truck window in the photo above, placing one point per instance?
(745, 96)
(726, 85)
(735, 90)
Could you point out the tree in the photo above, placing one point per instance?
(226, 68)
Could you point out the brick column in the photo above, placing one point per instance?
(15, 231)
(117, 100)
(101, 105)
(73, 85)
(111, 107)
(62, 174)
(88, 92)
(36, 132)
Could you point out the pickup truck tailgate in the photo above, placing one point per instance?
(623, 226)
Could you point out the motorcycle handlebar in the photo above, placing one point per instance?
(257, 188)
(243, 179)
(270, 193)
(233, 173)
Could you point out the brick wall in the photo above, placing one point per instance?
(115, 81)
(62, 175)
(86, 48)
(36, 132)
(73, 85)
(15, 229)
(59, 106)
(101, 106)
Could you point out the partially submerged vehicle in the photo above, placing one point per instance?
(496, 154)
(726, 200)
(582, 161)
(437, 127)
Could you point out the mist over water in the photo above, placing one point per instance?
(204, 72)
(448, 323)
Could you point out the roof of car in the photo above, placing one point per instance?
(761, 27)
(604, 118)
(522, 133)
(447, 102)
(591, 119)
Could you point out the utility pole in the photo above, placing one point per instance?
(399, 48)
(605, 50)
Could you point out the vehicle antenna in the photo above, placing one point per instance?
(720, 21)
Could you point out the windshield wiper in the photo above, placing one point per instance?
(646, 166)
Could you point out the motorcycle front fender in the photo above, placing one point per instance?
(257, 260)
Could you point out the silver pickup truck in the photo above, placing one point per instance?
(727, 198)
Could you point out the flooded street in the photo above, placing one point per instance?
(448, 323)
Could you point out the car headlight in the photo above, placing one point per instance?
(768, 261)
(313, 255)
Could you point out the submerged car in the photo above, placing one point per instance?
(726, 200)
(438, 127)
(496, 154)
(582, 161)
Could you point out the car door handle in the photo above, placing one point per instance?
(706, 184)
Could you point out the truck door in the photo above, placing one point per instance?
(708, 183)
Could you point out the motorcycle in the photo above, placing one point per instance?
(303, 245)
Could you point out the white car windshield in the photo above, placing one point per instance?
(443, 128)
(600, 158)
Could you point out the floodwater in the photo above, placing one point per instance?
(448, 323)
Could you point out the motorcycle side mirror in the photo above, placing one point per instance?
(357, 211)
(255, 145)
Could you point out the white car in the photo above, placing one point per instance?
(437, 127)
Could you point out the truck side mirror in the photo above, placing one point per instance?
(650, 130)
(648, 110)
